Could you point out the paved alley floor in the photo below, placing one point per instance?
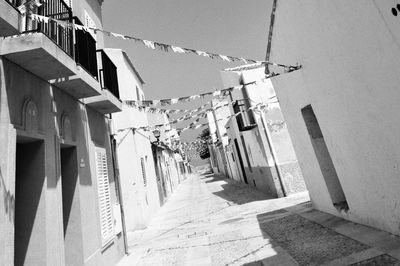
(210, 220)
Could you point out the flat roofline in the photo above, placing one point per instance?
(129, 62)
(133, 67)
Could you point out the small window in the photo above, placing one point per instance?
(90, 23)
(68, 3)
(143, 166)
(245, 119)
(138, 94)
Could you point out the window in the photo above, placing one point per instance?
(138, 93)
(143, 166)
(246, 119)
(90, 23)
(104, 196)
(68, 3)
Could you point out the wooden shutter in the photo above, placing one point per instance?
(104, 195)
(90, 23)
(143, 171)
(68, 3)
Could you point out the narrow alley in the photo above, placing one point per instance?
(211, 220)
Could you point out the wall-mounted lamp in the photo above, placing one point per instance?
(157, 134)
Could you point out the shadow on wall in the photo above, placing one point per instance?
(8, 199)
(85, 176)
(261, 177)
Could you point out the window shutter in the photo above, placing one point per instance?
(143, 171)
(90, 23)
(68, 3)
(104, 195)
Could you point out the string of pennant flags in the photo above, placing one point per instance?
(187, 146)
(135, 104)
(170, 101)
(145, 105)
(163, 46)
(192, 113)
(199, 143)
(195, 124)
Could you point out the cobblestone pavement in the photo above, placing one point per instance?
(210, 220)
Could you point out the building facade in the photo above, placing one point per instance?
(168, 159)
(61, 205)
(260, 151)
(139, 188)
(341, 107)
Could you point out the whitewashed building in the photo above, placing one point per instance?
(342, 107)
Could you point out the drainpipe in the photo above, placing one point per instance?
(273, 154)
(271, 30)
(120, 198)
(267, 133)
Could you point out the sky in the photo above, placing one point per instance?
(230, 27)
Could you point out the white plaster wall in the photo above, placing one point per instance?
(349, 51)
(140, 202)
(93, 9)
(127, 81)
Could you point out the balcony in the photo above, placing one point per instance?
(39, 55)
(108, 102)
(9, 18)
(245, 119)
(48, 51)
(85, 83)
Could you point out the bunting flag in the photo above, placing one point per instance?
(139, 105)
(216, 94)
(166, 47)
(30, 5)
(195, 124)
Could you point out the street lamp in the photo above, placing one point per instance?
(157, 134)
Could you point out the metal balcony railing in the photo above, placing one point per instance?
(85, 50)
(15, 3)
(108, 74)
(57, 9)
(245, 119)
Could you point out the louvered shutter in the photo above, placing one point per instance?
(143, 171)
(68, 2)
(90, 23)
(103, 188)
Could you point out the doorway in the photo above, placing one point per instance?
(324, 159)
(30, 212)
(71, 207)
(241, 161)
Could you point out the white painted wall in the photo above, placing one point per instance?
(140, 201)
(349, 51)
(262, 172)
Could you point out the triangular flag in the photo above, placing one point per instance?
(149, 44)
(177, 49)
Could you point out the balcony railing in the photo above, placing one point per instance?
(85, 50)
(108, 74)
(56, 9)
(245, 119)
(15, 3)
